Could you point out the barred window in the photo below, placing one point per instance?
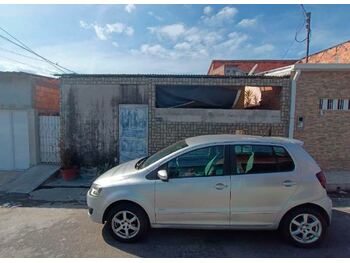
(340, 104)
(321, 104)
(329, 104)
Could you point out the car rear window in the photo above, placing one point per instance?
(255, 159)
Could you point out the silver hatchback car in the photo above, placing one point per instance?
(216, 182)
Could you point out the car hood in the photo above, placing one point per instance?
(118, 173)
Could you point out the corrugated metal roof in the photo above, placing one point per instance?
(164, 76)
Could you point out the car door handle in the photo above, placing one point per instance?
(221, 186)
(289, 183)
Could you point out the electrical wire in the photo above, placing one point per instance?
(51, 63)
(26, 64)
(25, 47)
(297, 31)
(20, 54)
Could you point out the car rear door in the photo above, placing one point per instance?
(198, 189)
(264, 179)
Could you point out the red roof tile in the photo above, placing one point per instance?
(247, 65)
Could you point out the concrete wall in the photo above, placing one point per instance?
(89, 112)
(326, 134)
(16, 91)
(32, 93)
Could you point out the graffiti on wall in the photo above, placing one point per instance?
(133, 131)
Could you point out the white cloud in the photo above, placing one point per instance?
(227, 13)
(247, 22)
(170, 31)
(129, 31)
(154, 50)
(224, 15)
(84, 25)
(100, 32)
(183, 46)
(129, 8)
(180, 51)
(234, 41)
(115, 44)
(103, 32)
(264, 49)
(159, 18)
(207, 10)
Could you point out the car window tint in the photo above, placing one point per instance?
(254, 159)
(208, 161)
(284, 160)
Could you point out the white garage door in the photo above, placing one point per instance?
(14, 141)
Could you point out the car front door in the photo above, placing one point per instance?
(198, 189)
(264, 180)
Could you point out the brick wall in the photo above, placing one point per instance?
(164, 133)
(89, 112)
(327, 136)
(47, 100)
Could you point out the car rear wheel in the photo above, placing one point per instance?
(304, 227)
(127, 223)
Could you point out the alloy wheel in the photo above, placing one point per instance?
(125, 224)
(305, 228)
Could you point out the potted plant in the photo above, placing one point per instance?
(70, 168)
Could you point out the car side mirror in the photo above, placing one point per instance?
(163, 175)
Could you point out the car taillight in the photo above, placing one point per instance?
(322, 179)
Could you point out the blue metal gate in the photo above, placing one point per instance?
(133, 131)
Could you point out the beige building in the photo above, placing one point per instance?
(320, 111)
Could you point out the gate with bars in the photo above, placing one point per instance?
(49, 136)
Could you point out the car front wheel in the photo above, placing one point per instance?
(127, 223)
(304, 227)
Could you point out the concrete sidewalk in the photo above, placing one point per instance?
(30, 179)
(339, 180)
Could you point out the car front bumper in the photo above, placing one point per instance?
(96, 208)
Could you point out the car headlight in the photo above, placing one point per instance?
(95, 190)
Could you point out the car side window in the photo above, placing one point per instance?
(255, 159)
(284, 160)
(208, 161)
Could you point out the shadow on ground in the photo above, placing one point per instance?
(25, 200)
(230, 243)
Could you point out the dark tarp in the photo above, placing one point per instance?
(188, 96)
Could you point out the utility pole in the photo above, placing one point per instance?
(308, 29)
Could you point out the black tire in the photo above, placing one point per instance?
(285, 226)
(135, 210)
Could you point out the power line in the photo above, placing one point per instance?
(53, 64)
(297, 31)
(306, 21)
(25, 47)
(26, 64)
(33, 52)
(20, 54)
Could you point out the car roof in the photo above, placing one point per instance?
(227, 138)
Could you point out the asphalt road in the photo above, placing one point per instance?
(64, 230)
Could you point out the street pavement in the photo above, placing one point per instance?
(61, 229)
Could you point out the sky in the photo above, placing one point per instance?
(164, 39)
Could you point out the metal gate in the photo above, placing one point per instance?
(49, 133)
(133, 131)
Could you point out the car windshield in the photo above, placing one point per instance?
(162, 153)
